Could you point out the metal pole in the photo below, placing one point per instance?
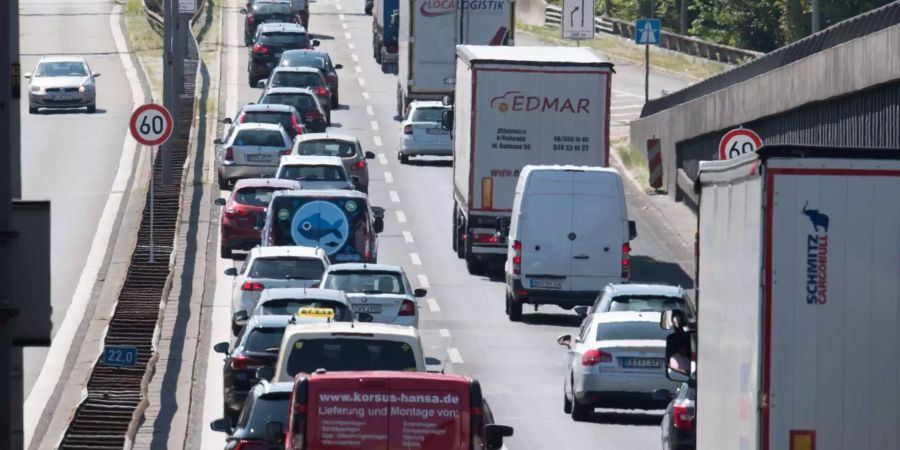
(647, 72)
(816, 23)
(169, 89)
(152, 206)
(684, 16)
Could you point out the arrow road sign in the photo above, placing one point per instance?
(646, 31)
(578, 19)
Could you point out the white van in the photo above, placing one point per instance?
(568, 238)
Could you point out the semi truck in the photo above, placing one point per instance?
(430, 30)
(515, 106)
(796, 337)
(385, 22)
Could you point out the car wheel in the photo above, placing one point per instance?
(404, 159)
(474, 266)
(92, 108)
(460, 240)
(32, 109)
(368, 10)
(334, 100)
(378, 58)
(567, 404)
(453, 239)
(227, 253)
(223, 183)
(252, 81)
(514, 309)
(328, 117)
(580, 412)
(235, 329)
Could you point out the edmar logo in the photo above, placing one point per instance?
(517, 102)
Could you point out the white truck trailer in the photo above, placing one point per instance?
(429, 32)
(516, 106)
(799, 306)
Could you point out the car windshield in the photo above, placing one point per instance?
(645, 303)
(272, 8)
(61, 69)
(339, 354)
(634, 330)
(254, 196)
(261, 138)
(287, 268)
(427, 115)
(290, 306)
(258, 411)
(312, 173)
(296, 79)
(261, 340)
(281, 118)
(324, 147)
(303, 60)
(366, 282)
(301, 102)
(290, 39)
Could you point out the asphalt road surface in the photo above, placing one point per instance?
(462, 320)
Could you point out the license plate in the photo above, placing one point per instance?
(259, 158)
(545, 284)
(372, 309)
(642, 363)
(437, 131)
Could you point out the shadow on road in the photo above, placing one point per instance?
(556, 320)
(431, 162)
(54, 112)
(625, 418)
(645, 269)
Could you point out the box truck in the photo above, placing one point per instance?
(385, 22)
(429, 32)
(797, 338)
(516, 106)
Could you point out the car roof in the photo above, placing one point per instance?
(290, 90)
(275, 107)
(322, 193)
(628, 316)
(297, 160)
(282, 26)
(302, 69)
(662, 290)
(266, 182)
(302, 293)
(365, 267)
(62, 58)
(427, 104)
(286, 250)
(307, 50)
(268, 321)
(393, 375)
(347, 329)
(258, 126)
(266, 387)
(327, 135)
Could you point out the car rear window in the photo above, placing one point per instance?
(254, 196)
(342, 354)
(324, 147)
(303, 60)
(296, 79)
(271, 8)
(261, 340)
(286, 268)
(312, 173)
(301, 102)
(367, 282)
(428, 115)
(645, 303)
(290, 306)
(287, 39)
(635, 330)
(261, 138)
(259, 411)
(281, 118)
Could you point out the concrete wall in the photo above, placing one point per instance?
(838, 71)
(530, 12)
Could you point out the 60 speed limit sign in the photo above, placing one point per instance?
(151, 124)
(738, 142)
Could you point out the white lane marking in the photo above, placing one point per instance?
(362, 81)
(423, 281)
(344, 26)
(62, 342)
(365, 95)
(369, 110)
(358, 69)
(445, 333)
(394, 197)
(626, 94)
(374, 125)
(388, 178)
(340, 8)
(401, 217)
(433, 306)
(341, 16)
(407, 237)
(617, 107)
(354, 57)
(347, 35)
(631, 114)
(381, 158)
(351, 46)
(455, 356)
(414, 257)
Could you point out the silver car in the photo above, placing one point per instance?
(251, 150)
(315, 172)
(343, 146)
(62, 82)
(422, 132)
(616, 361)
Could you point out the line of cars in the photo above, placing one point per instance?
(323, 335)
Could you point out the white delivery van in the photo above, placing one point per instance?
(568, 237)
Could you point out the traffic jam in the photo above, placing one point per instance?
(325, 349)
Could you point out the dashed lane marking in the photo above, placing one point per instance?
(455, 356)
(351, 46)
(401, 217)
(365, 95)
(407, 237)
(358, 69)
(388, 178)
(445, 333)
(433, 306)
(378, 143)
(374, 125)
(370, 111)
(394, 197)
(341, 16)
(423, 281)
(344, 26)
(414, 257)
(354, 57)
(347, 35)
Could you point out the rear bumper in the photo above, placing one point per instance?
(260, 69)
(623, 389)
(233, 171)
(413, 148)
(77, 100)
(547, 296)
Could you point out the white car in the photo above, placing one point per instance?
(380, 291)
(642, 298)
(251, 150)
(293, 301)
(617, 360)
(272, 267)
(62, 82)
(422, 132)
(315, 172)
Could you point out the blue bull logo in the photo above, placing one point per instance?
(320, 224)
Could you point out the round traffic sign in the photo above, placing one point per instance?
(151, 124)
(738, 142)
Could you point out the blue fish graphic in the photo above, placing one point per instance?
(315, 228)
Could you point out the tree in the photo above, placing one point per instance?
(750, 24)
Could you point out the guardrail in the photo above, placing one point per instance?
(676, 42)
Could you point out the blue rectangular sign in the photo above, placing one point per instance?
(116, 355)
(646, 31)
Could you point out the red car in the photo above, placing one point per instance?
(244, 213)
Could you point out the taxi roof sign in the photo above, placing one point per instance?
(325, 313)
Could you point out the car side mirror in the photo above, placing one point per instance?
(27, 75)
(662, 395)
(338, 66)
(364, 317)
(582, 310)
(274, 432)
(243, 10)
(679, 364)
(494, 434)
(632, 230)
(447, 100)
(219, 202)
(218, 141)
(241, 316)
(671, 319)
(447, 120)
(261, 84)
(433, 365)
(221, 347)
(378, 225)
(95, 74)
(565, 340)
(220, 425)
(265, 373)
(370, 155)
(357, 183)
(420, 292)
(227, 120)
(316, 43)
(231, 271)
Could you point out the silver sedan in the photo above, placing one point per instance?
(62, 82)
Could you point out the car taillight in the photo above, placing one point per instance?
(241, 362)
(593, 357)
(626, 261)
(296, 125)
(236, 211)
(251, 445)
(681, 418)
(259, 48)
(486, 238)
(359, 165)
(477, 428)
(250, 20)
(286, 151)
(407, 308)
(243, 118)
(252, 286)
(321, 91)
(517, 258)
(407, 129)
(312, 115)
(332, 78)
(229, 154)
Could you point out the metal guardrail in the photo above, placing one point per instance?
(676, 42)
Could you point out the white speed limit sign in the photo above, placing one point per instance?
(738, 142)
(151, 124)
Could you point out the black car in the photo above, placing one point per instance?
(270, 41)
(262, 420)
(262, 12)
(286, 115)
(304, 100)
(317, 59)
(257, 346)
(678, 431)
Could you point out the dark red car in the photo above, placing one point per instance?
(243, 214)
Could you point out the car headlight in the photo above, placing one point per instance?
(81, 88)
(38, 89)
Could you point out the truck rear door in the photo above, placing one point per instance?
(432, 46)
(546, 230)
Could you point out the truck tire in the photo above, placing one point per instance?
(368, 10)
(227, 253)
(460, 240)
(513, 309)
(399, 101)
(580, 412)
(474, 266)
(453, 238)
(378, 57)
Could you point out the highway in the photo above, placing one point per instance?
(462, 320)
(81, 162)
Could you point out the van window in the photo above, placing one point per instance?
(635, 330)
(288, 268)
(339, 355)
(645, 303)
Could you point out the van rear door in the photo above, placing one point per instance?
(546, 247)
(599, 228)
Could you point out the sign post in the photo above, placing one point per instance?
(737, 142)
(578, 19)
(151, 125)
(647, 31)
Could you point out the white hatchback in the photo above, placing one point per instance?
(422, 132)
(316, 172)
(377, 292)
